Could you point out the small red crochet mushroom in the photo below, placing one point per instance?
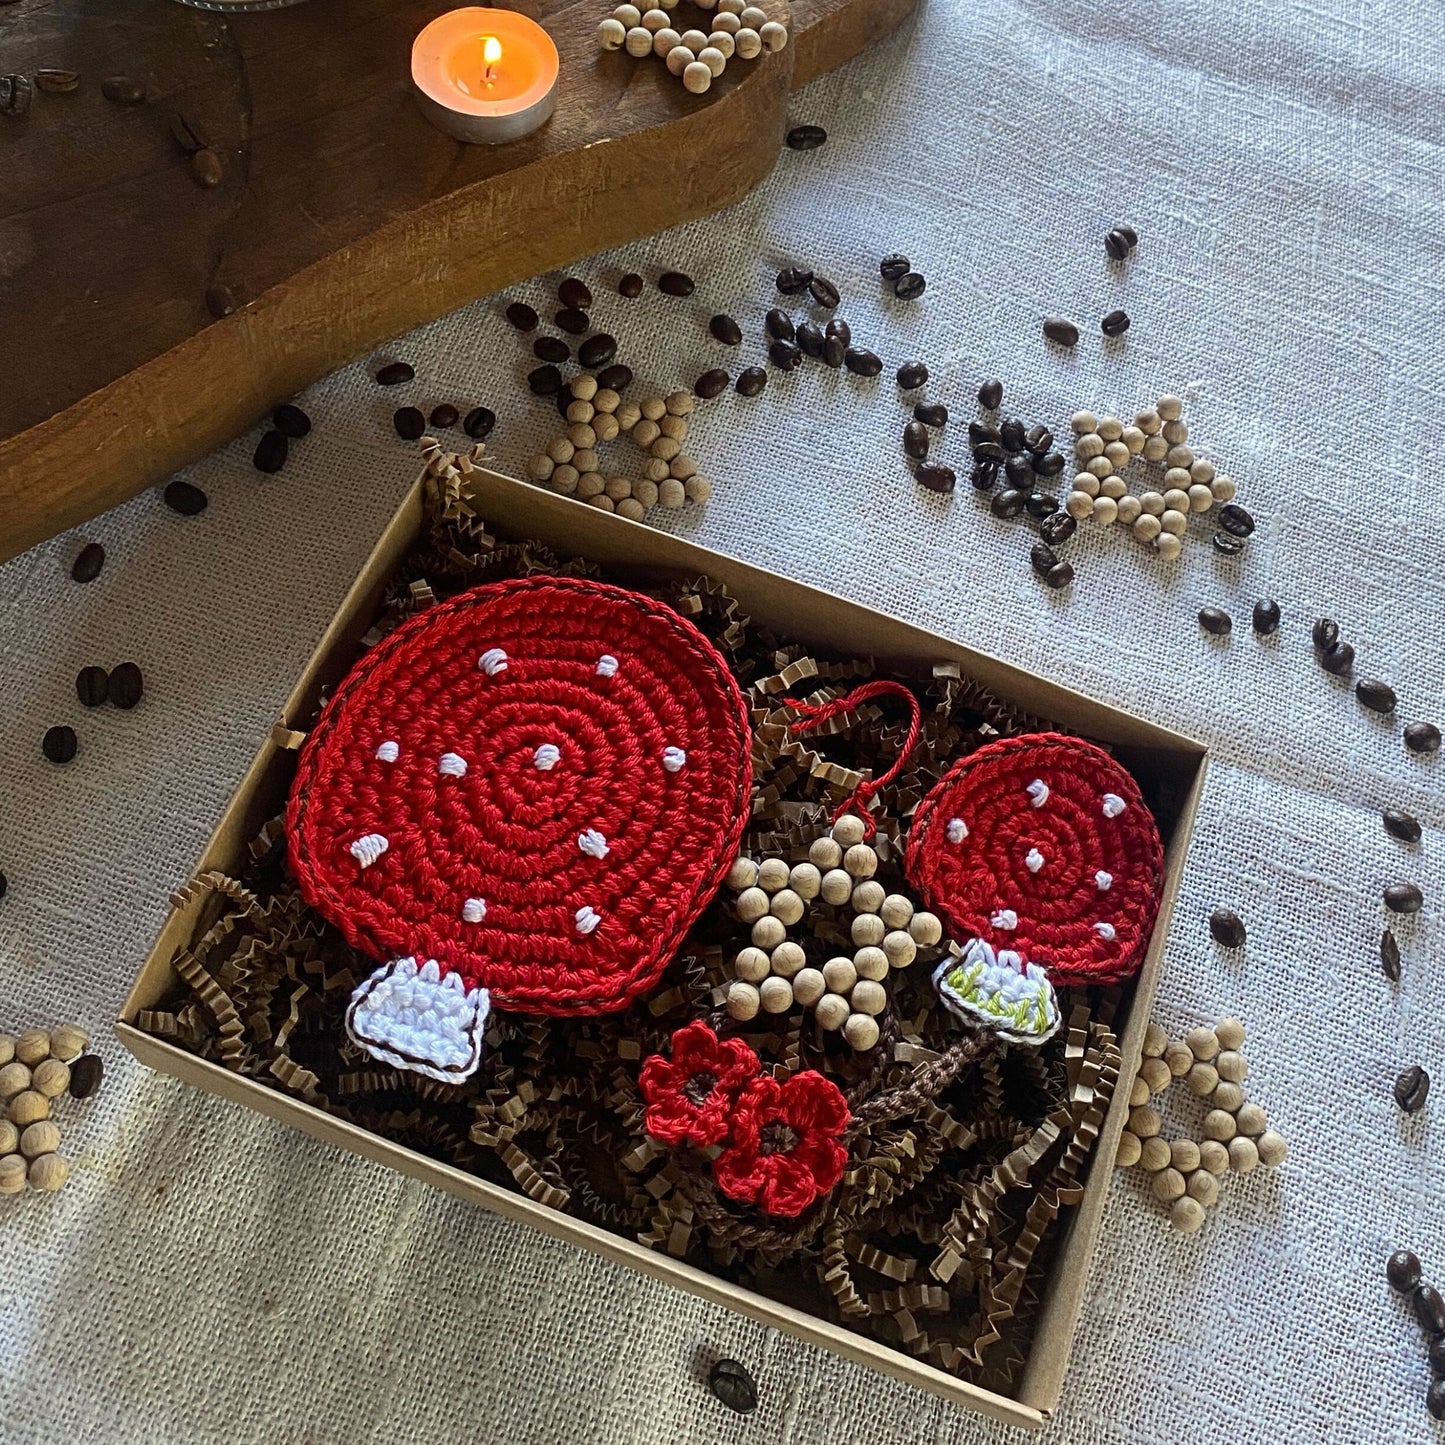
(524, 797)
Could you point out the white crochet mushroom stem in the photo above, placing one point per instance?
(999, 989)
(418, 1019)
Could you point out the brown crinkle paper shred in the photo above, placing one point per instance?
(963, 1152)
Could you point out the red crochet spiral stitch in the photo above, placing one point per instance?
(972, 881)
(507, 831)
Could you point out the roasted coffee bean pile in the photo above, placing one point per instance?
(1403, 1271)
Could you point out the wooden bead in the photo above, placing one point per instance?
(645, 493)
(679, 403)
(773, 36)
(1176, 498)
(1223, 489)
(896, 910)
(1100, 467)
(590, 485)
(1168, 1185)
(925, 929)
(1251, 1120)
(1148, 422)
(868, 929)
(1138, 1092)
(722, 42)
(656, 471)
(28, 1107)
(7, 1049)
(1168, 546)
(32, 1046)
(1228, 1096)
(1079, 505)
(1202, 1043)
(618, 488)
(868, 996)
(837, 886)
(638, 42)
(1155, 1041)
(1144, 1121)
(1232, 1066)
(1203, 1079)
(1243, 1155)
(1174, 523)
(51, 1078)
(646, 432)
(1155, 448)
(752, 903)
(1230, 1033)
(808, 986)
(868, 896)
(1083, 422)
(753, 16)
(871, 963)
(1154, 1154)
(1201, 499)
(580, 411)
(565, 480)
(743, 1001)
(1203, 1186)
(1169, 407)
(9, 1137)
(632, 509)
(1089, 446)
(682, 467)
(664, 41)
(628, 16)
(1184, 1155)
(671, 494)
(861, 861)
(1128, 510)
(849, 830)
(726, 24)
(831, 1011)
(1113, 487)
(1117, 453)
(1155, 1073)
(769, 932)
(654, 408)
(1213, 1156)
(748, 44)
(665, 448)
(583, 387)
(775, 995)
(840, 975)
(611, 34)
(580, 434)
(1146, 527)
(48, 1173)
(772, 875)
(1087, 483)
(1219, 1125)
(1174, 430)
(1179, 1059)
(628, 414)
(787, 958)
(1272, 1148)
(1151, 503)
(1134, 439)
(1201, 469)
(1106, 510)
(1110, 428)
(697, 490)
(694, 40)
(825, 853)
(606, 427)
(1179, 459)
(900, 948)
(805, 880)
(14, 1079)
(1186, 1214)
(40, 1138)
(861, 1030)
(605, 400)
(13, 1170)
(602, 503)
(1130, 1148)
(752, 965)
(654, 20)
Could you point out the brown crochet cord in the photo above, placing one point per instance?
(926, 1084)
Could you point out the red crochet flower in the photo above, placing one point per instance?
(690, 1098)
(784, 1152)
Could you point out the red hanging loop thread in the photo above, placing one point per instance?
(815, 714)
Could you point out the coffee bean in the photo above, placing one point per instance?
(562, 400)
(92, 686)
(1020, 472)
(185, 498)
(544, 381)
(1061, 332)
(57, 82)
(980, 432)
(1422, 737)
(891, 268)
(861, 362)
(912, 375)
(1235, 520)
(1404, 898)
(290, 420)
(990, 451)
(86, 567)
(1058, 528)
(936, 478)
(915, 440)
(1402, 1269)
(835, 351)
(1435, 1399)
(395, 373)
(572, 321)
(551, 348)
(1389, 956)
(1338, 659)
(479, 422)
(676, 283)
(1429, 1307)
(779, 325)
(785, 355)
(615, 377)
(4, 885)
(1130, 235)
(811, 340)
(86, 1074)
(1060, 575)
(934, 414)
(1226, 545)
(1377, 696)
(711, 383)
(1007, 504)
(15, 94)
(1266, 617)
(1116, 245)
(522, 316)
(597, 350)
(726, 330)
(220, 301)
(1215, 621)
(1400, 825)
(1041, 505)
(985, 476)
(794, 280)
(1038, 439)
(122, 90)
(909, 287)
(1042, 558)
(990, 394)
(734, 1386)
(1412, 1089)
(1226, 927)
(1435, 1354)
(126, 685)
(1011, 434)
(630, 286)
(824, 293)
(806, 137)
(59, 744)
(444, 416)
(185, 132)
(575, 293)
(1050, 464)
(207, 169)
(410, 424)
(840, 329)
(1325, 633)
(751, 381)
(270, 453)
(1116, 323)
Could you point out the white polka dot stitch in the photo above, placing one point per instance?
(1104, 881)
(367, 849)
(1105, 931)
(592, 843)
(388, 752)
(674, 759)
(493, 661)
(1033, 860)
(452, 766)
(1038, 792)
(474, 910)
(547, 757)
(587, 920)
(957, 830)
(1005, 918)
(606, 665)
(1113, 805)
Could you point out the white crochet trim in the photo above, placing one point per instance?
(673, 759)
(547, 757)
(606, 665)
(587, 920)
(1000, 990)
(1113, 805)
(474, 910)
(368, 848)
(388, 752)
(450, 765)
(1005, 918)
(957, 830)
(1038, 791)
(418, 1020)
(1033, 860)
(1104, 880)
(493, 661)
(1105, 931)
(592, 843)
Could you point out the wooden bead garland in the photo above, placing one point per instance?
(845, 993)
(36, 1071)
(1237, 1138)
(697, 59)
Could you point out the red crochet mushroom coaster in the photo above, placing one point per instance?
(524, 797)
(1040, 850)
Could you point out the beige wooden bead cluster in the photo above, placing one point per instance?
(1237, 1136)
(34, 1070)
(887, 932)
(569, 464)
(696, 57)
(1103, 449)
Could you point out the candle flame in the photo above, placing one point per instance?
(491, 50)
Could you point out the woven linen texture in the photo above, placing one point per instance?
(211, 1276)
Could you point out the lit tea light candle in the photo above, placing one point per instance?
(485, 76)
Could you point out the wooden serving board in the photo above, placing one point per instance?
(343, 217)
